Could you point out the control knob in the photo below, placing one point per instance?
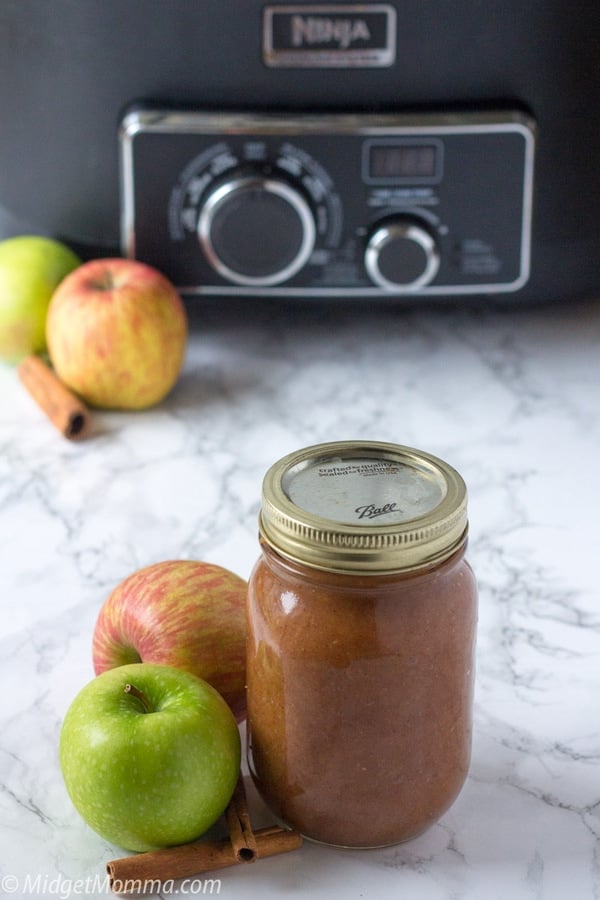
(402, 254)
(256, 229)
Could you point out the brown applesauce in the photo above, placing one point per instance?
(360, 671)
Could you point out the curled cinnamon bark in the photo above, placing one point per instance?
(63, 408)
(241, 835)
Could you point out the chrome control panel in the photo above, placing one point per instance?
(329, 205)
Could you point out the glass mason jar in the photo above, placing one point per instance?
(361, 631)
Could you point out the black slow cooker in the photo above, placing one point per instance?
(395, 150)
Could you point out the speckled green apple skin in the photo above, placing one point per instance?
(144, 780)
(31, 268)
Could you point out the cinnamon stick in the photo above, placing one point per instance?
(241, 835)
(186, 860)
(63, 408)
(243, 846)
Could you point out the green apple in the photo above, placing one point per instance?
(31, 268)
(150, 755)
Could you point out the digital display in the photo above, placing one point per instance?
(409, 161)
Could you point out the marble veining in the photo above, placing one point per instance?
(510, 397)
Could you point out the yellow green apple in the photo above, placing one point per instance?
(181, 613)
(150, 756)
(117, 333)
(31, 267)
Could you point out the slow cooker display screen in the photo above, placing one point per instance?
(404, 161)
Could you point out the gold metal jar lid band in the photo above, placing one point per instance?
(364, 507)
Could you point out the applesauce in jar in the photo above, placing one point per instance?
(361, 633)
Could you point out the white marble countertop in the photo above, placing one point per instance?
(511, 398)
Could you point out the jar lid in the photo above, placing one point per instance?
(363, 507)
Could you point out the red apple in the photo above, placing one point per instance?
(116, 333)
(181, 613)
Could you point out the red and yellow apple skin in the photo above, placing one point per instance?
(181, 613)
(116, 332)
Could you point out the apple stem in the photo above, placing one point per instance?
(105, 282)
(139, 695)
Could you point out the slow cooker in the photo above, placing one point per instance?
(435, 150)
